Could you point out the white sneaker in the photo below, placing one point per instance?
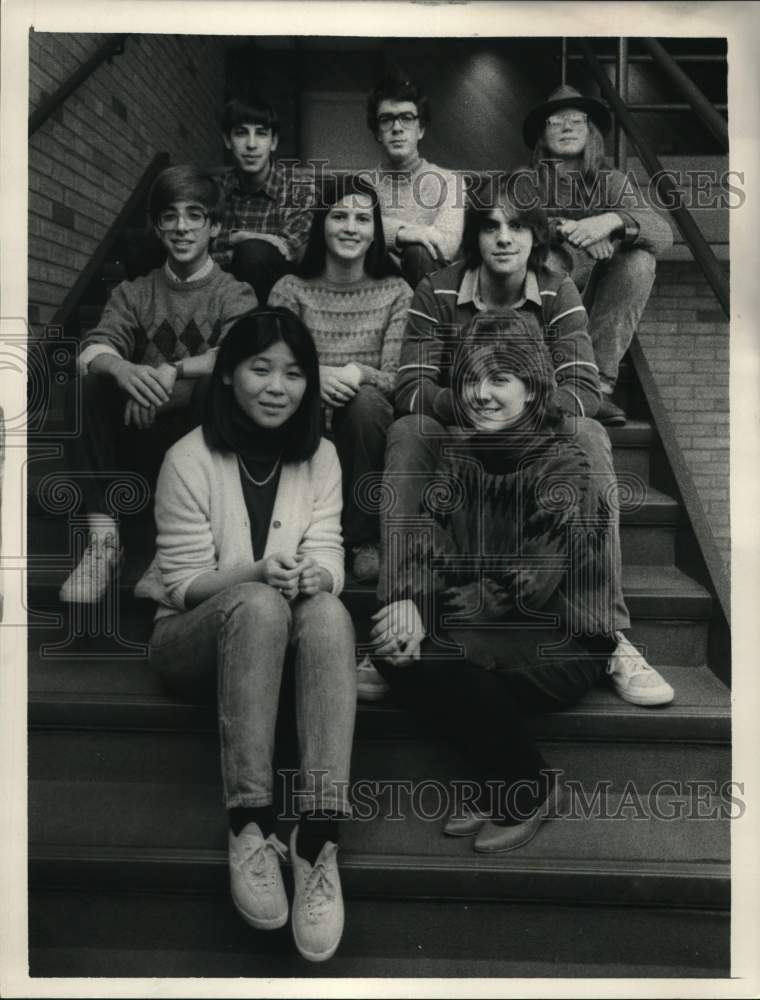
(633, 679)
(88, 582)
(256, 882)
(318, 914)
(370, 683)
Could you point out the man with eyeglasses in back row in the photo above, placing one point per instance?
(422, 204)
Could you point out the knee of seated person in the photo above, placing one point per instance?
(413, 426)
(591, 436)
(253, 253)
(417, 254)
(259, 599)
(636, 261)
(329, 610)
(366, 401)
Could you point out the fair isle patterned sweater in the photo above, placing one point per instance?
(361, 322)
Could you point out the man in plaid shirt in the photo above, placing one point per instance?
(268, 209)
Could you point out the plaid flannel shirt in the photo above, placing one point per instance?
(281, 210)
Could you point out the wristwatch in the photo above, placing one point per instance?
(177, 366)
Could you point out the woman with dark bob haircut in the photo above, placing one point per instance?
(247, 573)
(350, 295)
(502, 604)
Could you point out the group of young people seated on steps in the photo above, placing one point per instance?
(345, 365)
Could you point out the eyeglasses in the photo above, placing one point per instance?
(406, 119)
(557, 122)
(194, 218)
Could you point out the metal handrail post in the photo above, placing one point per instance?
(703, 109)
(674, 196)
(621, 82)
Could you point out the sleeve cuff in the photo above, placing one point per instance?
(631, 227)
(91, 352)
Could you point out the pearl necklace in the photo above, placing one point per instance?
(256, 482)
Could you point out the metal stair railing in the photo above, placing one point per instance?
(703, 109)
(709, 552)
(673, 199)
(113, 47)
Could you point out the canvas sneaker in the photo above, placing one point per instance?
(633, 679)
(370, 683)
(256, 882)
(318, 914)
(89, 580)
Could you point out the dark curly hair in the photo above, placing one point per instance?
(396, 87)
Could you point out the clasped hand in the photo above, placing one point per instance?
(427, 237)
(292, 575)
(397, 633)
(148, 389)
(586, 233)
(339, 385)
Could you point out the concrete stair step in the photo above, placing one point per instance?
(670, 628)
(648, 522)
(172, 835)
(75, 756)
(631, 447)
(121, 694)
(123, 934)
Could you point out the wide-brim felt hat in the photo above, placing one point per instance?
(564, 97)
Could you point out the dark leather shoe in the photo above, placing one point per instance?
(493, 839)
(464, 826)
(609, 414)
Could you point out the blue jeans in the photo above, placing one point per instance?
(359, 430)
(615, 293)
(239, 640)
(414, 453)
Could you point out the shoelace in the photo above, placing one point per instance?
(634, 663)
(258, 861)
(319, 891)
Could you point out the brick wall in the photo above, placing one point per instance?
(684, 334)
(164, 93)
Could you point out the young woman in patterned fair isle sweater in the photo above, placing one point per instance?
(502, 603)
(350, 296)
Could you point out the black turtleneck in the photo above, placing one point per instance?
(259, 451)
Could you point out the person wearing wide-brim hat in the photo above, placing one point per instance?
(609, 232)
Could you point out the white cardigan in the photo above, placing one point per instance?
(203, 524)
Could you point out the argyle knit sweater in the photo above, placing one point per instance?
(509, 534)
(153, 319)
(361, 322)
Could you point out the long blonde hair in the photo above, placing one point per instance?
(593, 152)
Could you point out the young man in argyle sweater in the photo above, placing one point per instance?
(268, 208)
(156, 338)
